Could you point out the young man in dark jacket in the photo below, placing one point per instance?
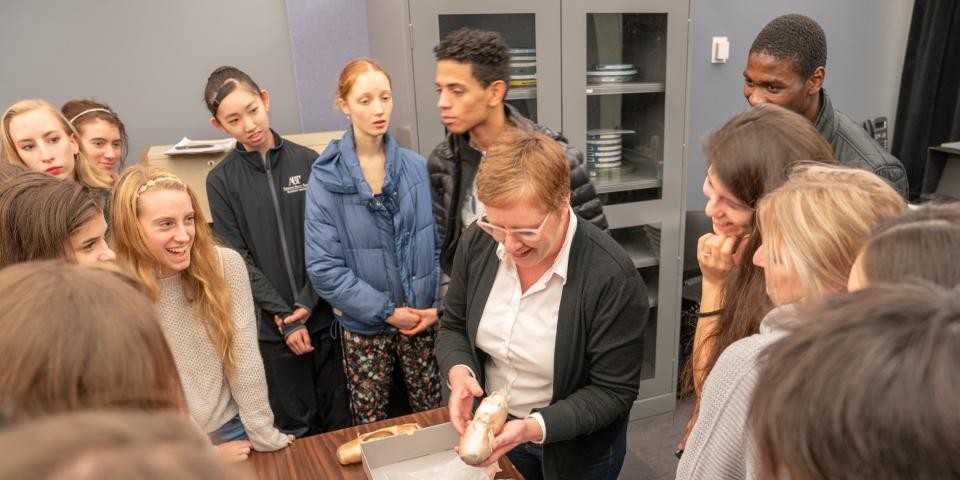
(786, 67)
(257, 199)
(473, 71)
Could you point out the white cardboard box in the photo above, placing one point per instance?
(400, 456)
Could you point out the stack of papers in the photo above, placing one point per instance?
(194, 147)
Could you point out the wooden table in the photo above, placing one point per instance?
(315, 457)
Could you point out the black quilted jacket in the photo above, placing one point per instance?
(444, 168)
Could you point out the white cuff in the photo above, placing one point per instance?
(539, 418)
(469, 370)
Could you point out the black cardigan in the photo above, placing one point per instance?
(599, 347)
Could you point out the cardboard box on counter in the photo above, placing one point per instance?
(427, 454)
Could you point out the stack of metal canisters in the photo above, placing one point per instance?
(612, 73)
(523, 67)
(605, 147)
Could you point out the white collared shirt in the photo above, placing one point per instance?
(518, 331)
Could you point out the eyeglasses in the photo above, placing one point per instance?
(500, 233)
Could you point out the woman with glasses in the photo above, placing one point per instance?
(547, 308)
(372, 249)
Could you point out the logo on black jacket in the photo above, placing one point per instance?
(294, 185)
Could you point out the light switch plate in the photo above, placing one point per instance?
(720, 50)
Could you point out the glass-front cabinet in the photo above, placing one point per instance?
(530, 29)
(624, 83)
(624, 89)
(610, 75)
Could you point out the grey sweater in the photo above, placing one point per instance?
(719, 446)
(212, 396)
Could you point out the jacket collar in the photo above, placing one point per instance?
(458, 141)
(778, 320)
(254, 157)
(826, 119)
(516, 119)
(338, 167)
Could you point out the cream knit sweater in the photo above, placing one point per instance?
(213, 397)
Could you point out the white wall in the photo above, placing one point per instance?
(866, 41)
(148, 59)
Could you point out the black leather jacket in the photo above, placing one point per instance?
(444, 168)
(853, 147)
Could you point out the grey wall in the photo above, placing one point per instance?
(325, 35)
(866, 40)
(148, 60)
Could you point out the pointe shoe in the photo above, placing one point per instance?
(476, 443)
(349, 452)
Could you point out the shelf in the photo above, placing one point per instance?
(651, 278)
(653, 290)
(625, 88)
(635, 173)
(521, 93)
(634, 241)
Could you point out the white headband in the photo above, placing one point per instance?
(90, 110)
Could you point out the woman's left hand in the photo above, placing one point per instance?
(717, 255)
(428, 317)
(513, 433)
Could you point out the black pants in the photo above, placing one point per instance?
(308, 393)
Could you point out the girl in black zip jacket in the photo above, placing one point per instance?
(257, 197)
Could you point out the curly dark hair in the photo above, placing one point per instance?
(486, 51)
(795, 38)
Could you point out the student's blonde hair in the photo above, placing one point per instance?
(84, 171)
(204, 285)
(524, 167)
(820, 218)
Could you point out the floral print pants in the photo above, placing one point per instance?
(368, 361)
